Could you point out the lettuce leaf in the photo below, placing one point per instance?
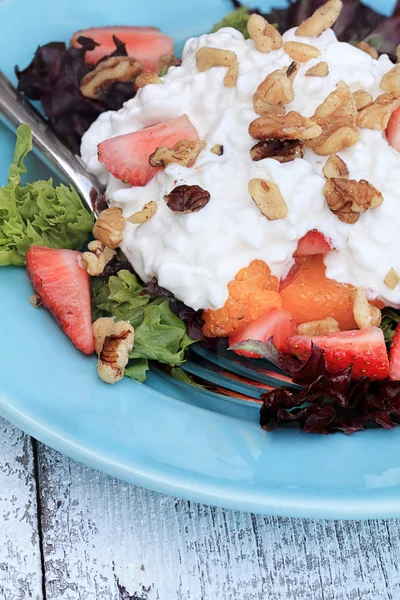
(159, 334)
(326, 401)
(237, 19)
(38, 213)
(137, 369)
(390, 320)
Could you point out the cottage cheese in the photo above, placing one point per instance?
(196, 255)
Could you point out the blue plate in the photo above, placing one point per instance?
(160, 435)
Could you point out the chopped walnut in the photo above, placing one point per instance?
(147, 78)
(217, 149)
(268, 198)
(365, 315)
(264, 35)
(301, 52)
(109, 227)
(391, 81)
(97, 258)
(392, 279)
(206, 58)
(35, 300)
(398, 54)
(292, 126)
(187, 198)
(321, 69)
(166, 61)
(335, 167)
(281, 150)
(113, 70)
(232, 74)
(328, 325)
(184, 152)
(362, 99)
(368, 49)
(148, 211)
(337, 116)
(323, 18)
(276, 89)
(377, 114)
(348, 198)
(113, 343)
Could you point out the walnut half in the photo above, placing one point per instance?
(281, 150)
(348, 198)
(276, 89)
(97, 258)
(323, 18)
(320, 327)
(113, 343)
(113, 70)
(337, 117)
(109, 227)
(183, 153)
(292, 126)
(377, 114)
(301, 52)
(264, 35)
(185, 199)
(206, 58)
(365, 315)
(268, 198)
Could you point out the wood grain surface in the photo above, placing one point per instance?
(20, 561)
(102, 539)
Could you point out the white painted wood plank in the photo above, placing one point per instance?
(20, 564)
(99, 533)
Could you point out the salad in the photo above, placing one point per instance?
(252, 192)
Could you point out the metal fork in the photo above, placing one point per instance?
(223, 372)
(15, 110)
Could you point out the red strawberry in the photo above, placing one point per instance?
(63, 286)
(393, 130)
(394, 356)
(277, 323)
(127, 156)
(146, 44)
(363, 348)
(314, 242)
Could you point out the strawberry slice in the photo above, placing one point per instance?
(277, 323)
(146, 44)
(393, 130)
(63, 286)
(314, 242)
(394, 356)
(363, 348)
(127, 156)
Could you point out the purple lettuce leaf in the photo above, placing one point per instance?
(54, 78)
(328, 401)
(152, 288)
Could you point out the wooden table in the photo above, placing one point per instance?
(68, 532)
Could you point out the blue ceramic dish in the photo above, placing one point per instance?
(160, 435)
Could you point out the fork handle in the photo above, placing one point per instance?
(15, 110)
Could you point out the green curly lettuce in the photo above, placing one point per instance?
(237, 19)
(159, 334)
(38, 213)
(390, 320)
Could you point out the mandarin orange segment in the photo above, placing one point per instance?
(252, 294)
(309, 295)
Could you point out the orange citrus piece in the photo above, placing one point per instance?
(309, 295)
(252, 294)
